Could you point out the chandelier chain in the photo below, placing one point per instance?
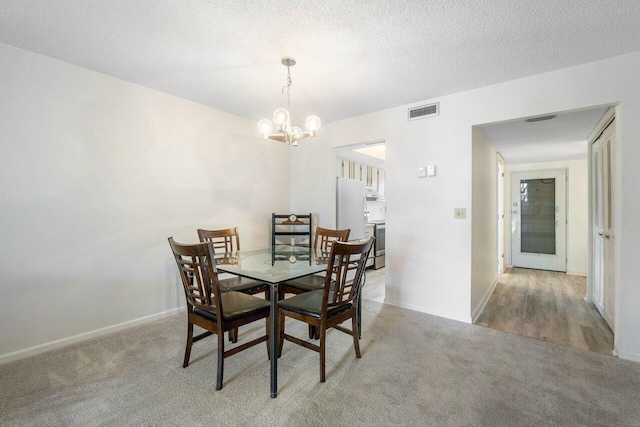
(288, 88)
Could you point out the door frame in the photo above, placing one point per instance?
(500, 188)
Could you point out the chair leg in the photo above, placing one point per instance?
(354, 332)
(323, 339)
(220, 359)
(233, 335)
(312, 332)
(187, 349)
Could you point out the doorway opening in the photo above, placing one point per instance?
(553, 173)
(362, 166)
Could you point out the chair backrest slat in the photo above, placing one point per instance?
(227, 240)
(324, 238)
(346, 269)
(197, 269)
(323, 242)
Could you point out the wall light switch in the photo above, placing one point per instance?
(431, 170)
(460, 213)
(422, 172)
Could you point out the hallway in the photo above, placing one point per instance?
(373, 288)
(549, 306)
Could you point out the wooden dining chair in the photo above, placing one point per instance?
(228, 241)
(335, 303)
(210, 308)
(225, 241)
(322, 244)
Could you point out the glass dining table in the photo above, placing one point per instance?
(273, 265)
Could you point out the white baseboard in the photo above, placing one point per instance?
(445, 314)
(628, 355)
(483, 302)
(41, 348)
(577, 273)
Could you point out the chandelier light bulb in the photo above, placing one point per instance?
(265, 126)
(296, 130)
(281, 116)
(313, 123)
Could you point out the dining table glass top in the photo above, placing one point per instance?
(274, 264)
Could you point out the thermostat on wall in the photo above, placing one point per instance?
(425, 171)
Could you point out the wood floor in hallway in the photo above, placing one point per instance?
(549, 306)
(374, 285)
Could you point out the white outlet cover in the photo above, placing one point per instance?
(431, 170)
(422, 172)
(460, 213)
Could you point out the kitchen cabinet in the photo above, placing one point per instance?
(350, 170)
(371, 176)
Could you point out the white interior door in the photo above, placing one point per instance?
(603, 273)
(539, 220)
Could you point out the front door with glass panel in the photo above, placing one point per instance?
(538, 220)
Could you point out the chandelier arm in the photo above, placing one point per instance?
(277, 137)
(299, 136)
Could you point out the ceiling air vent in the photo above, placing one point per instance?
(424, 111)
(541, 118)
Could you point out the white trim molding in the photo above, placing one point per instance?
(628, 355)
(483, 302)
(439, 313)
(577, 273)
(52, 345)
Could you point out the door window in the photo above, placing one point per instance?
(538, 220)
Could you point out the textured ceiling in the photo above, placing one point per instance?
(354, 56)
(562, 138)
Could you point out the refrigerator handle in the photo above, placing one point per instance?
(366, 209)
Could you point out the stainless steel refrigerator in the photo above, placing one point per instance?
(351, 207)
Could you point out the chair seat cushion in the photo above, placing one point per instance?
(240, 284)
(310, 304)
(306, 283)
(236, 305)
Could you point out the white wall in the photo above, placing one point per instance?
(577, 210)
(95, 175)
(484, 205)
(428, 252)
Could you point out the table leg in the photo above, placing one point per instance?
(273, 342)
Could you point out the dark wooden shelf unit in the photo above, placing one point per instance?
(281, 226)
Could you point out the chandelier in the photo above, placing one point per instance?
(281, 117)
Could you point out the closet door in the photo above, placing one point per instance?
(602, 158)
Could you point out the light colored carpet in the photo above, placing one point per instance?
(416, 369)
